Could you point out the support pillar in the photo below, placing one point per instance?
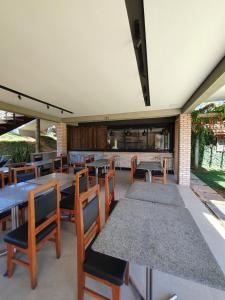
(61, 131)
(184, 148)
(37, 136)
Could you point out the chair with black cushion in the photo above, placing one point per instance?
(160, 176)
(4, 216)
(57, 165)
(43, 225)
(71, 194)
(101, 177)
(11, 167)
(23, 174)
(137, 174)
(110, 202)
(71, 189)
(105, 269)
(65, 163)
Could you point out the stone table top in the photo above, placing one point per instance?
(161, 237)
(65, 180)
(150, 165)
(14, 195)
(98, 163)
(40, 163)
(155, 192)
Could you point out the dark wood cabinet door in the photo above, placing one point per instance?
(101, 138)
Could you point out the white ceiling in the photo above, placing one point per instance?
(79, 54)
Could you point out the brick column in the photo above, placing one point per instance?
(184, 161)
(61, 130)
(176, 148)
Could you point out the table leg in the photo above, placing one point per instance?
(15, 217)
(96, 174)
(149, 284)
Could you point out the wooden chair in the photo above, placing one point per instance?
(137, 174)
(11, 167)
(4, 216)
(107, 270)
(23, 174)
(43, 225)
(101, 177)
(110, 202)
(160, 176)
(57, 165)
(71, 194)
(65, 163)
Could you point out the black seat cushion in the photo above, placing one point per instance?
(157, 173)
(104, 266)
(67, 202)
(5, 214)
(19, 236)
(140, 174)
(112, 205)
(77, 169)
(69, 191)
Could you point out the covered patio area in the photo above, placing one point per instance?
(110, 212)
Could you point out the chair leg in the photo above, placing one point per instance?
(127, 275)
(80, 285)
(10, 264)
(116, 292)
(32, 267)
(57, 245)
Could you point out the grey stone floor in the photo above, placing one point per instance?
(57, 278)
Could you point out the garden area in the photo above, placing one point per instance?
(20, 147)
(208, 146)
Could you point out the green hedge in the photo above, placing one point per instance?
(213, 159)
(20, 151)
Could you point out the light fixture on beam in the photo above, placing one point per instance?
(20, 95)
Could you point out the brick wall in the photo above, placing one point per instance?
(61, 130)
(176, 148)
(184, 160)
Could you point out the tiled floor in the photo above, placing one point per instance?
(57, 278)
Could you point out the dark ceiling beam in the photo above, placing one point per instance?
(20, 95)
(135, 11)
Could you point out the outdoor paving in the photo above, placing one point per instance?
(214, 201)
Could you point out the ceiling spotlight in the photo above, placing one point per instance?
(62, 111)
(19, 96)
(138, 43)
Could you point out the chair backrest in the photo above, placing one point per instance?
(88, 223)
(43, 209)
(133, 166)
(112, 163)
(65, 159)
(81, 183)
(23, 174)
(2, 180)
(57, 164)
(109, 191)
